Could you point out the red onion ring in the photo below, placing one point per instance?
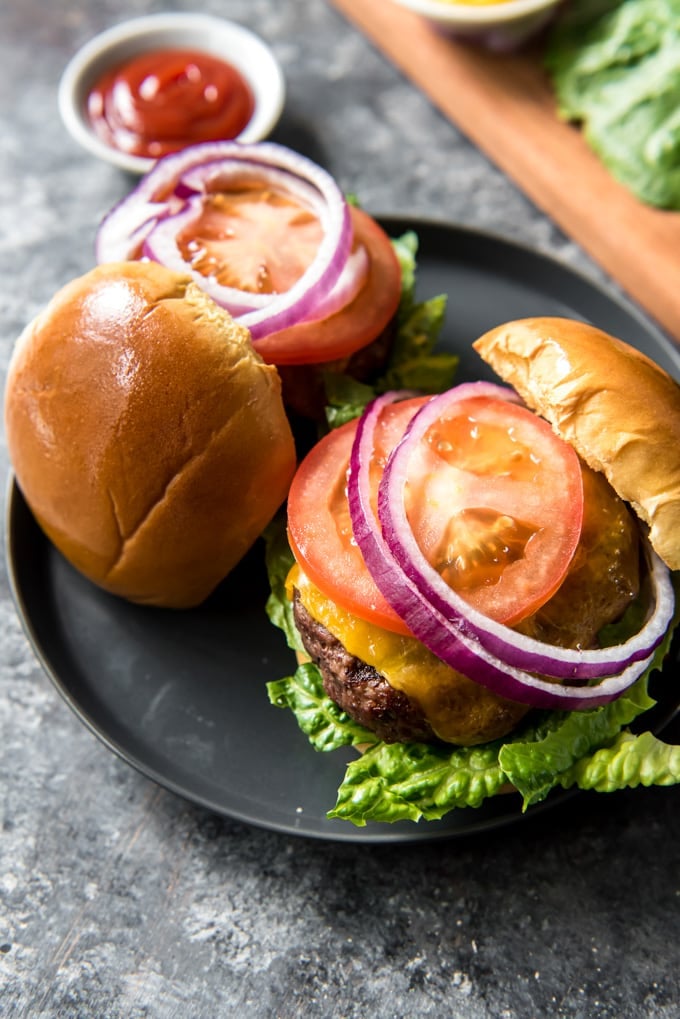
(347, 286)
(159, 192)
(515, 649)
(445, 637)
(165, 193)
(160, 244)
(124, 229)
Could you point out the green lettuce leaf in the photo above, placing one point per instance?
(346, 398)
(410, 781)
(630, 761)
(534, 768)
(321, 720)
(279, 560)
(586, 749)
(594, 45)
(414, 363)
(615, 68)
(570, 737)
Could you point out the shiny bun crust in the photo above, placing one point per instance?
(617, 408)
(147, 436)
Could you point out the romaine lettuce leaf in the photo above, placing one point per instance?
(278, 561)
(346, 398)
(630, 761)
(414, 363)
(573, 737)
(534, 767)
(321, 720)
(594, 45)
(590, 750)
(615, 68)
(410, 781)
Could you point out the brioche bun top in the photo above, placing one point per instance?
(616, 407)
(147, 436)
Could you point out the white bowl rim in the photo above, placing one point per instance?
(486, 14)
(75, 81)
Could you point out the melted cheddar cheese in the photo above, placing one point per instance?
(459, 710)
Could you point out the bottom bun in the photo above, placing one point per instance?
(148, 438)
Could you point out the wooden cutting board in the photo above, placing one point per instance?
(503, 103)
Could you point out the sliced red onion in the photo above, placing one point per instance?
(301, 300)
(462, 651)
(143, 223)
(161, 246)
(158, 193)
(122, 232)
(513, 648)
(347, 286)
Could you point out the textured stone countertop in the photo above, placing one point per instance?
(120, 900)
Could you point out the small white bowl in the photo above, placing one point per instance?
(498, 26)
(231, 42)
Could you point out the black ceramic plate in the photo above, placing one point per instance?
(181, 696)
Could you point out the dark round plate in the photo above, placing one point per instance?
(181, 696)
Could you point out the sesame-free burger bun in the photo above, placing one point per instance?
(617, 408)
(147, 436)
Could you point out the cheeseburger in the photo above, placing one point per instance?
(146, 435)
(482, 580)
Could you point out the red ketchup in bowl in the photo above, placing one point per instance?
(162, 101)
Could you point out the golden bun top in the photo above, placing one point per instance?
(616, 407)
(147, 436)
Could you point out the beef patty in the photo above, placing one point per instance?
(358, 688)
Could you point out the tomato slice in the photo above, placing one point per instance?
(252, 237)
(256, 238)
(494, 497)
(319, 525)
(354, 326)
(495, 501)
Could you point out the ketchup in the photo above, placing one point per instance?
(162, 101)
